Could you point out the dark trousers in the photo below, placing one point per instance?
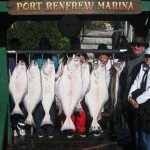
(129, 114)
(17, 117)
(142, 137)
(38, 117)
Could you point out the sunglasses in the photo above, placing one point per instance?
(147, 56)
(137, 44)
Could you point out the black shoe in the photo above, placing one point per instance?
(97, 133)
(50, 136)
(21, 128)
(40, 135)
(82, 134)
(69, 134)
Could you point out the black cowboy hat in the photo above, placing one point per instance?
(139, 41)
(102, 47)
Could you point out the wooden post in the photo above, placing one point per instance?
(5, 129)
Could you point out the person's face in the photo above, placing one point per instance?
(103, 58)
(82, 58)
(147, 59)
(138, 49)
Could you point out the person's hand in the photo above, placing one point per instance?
(134, 103)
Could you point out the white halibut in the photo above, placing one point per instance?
(57, 81)
(97, 94)
(48, 80)
(85, 73)
(18, 86)
(33, 96)
(70, 89)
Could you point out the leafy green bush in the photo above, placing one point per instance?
(30, 32)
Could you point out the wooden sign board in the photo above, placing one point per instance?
(78, 7)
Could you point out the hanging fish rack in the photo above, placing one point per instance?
(113, 51)
(66, 51)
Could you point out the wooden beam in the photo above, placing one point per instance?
(3, 6)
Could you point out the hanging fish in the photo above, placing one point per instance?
(118, 66)
(48, 80)
(18, 86)
(85, 73)
(34, 94)
(97, 95)
(69, 89)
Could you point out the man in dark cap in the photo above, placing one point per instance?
(135, 59)
(137, 56)
(104, 58)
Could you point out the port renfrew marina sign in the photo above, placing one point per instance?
(79, 7)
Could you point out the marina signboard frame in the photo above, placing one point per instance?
(80, 7)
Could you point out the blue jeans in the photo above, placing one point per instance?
(142, 140)
(38, 117)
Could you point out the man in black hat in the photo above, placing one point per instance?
(136, 57)
(139, 98)
(104, 58)
(138, 45)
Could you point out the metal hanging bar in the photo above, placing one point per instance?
(29, 58)
(66, 51)
(42, 54)
(113, 57)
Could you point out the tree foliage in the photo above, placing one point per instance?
(29, 33)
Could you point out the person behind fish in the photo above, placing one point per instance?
(139, 98)
(39, 112)
(18, 125)
(135, 58)
(104, 58)
(108, 63)
(79, 117)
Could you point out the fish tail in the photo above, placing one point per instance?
(68, 124)
(95, 127)
(95, 123)
(46, 120)
(17, 110)
(60, 111)
(29, 120)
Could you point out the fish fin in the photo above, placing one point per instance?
(17, 110)
(46, 120)
(29, 120)
(68, 124)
